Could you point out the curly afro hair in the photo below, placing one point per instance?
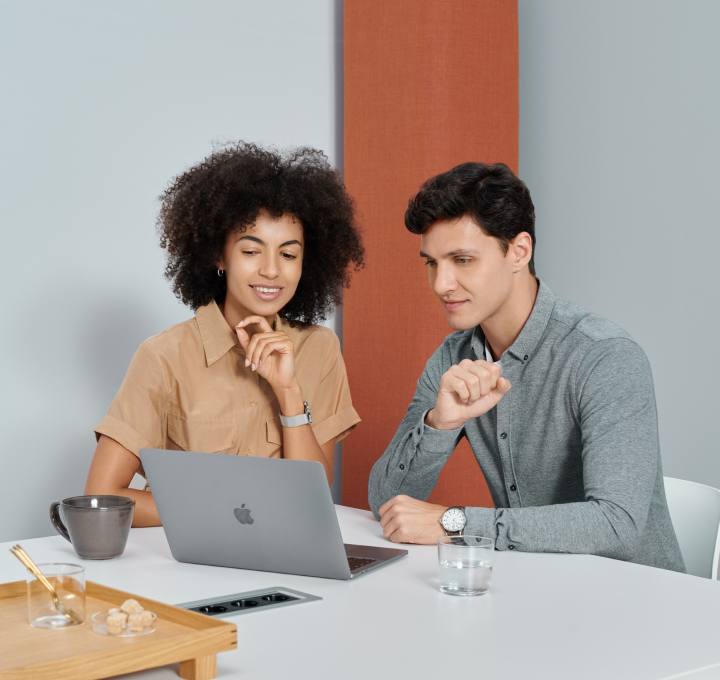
(225, 193)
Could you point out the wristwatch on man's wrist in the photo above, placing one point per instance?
(296, 421)
(454, 520)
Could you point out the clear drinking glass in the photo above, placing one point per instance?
(69, 583)
(465, 564)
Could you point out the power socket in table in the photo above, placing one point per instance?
(252, 601)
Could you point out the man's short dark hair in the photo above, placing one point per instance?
(491, 195)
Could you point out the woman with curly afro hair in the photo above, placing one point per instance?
(260, 245)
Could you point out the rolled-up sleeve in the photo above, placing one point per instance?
(334, 417)
(136, 418)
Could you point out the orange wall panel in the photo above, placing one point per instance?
(428, 85)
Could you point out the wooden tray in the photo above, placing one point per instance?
(80, 654)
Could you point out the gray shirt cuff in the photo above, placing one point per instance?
(427, 439)
(480, 522)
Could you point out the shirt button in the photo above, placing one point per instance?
(511, 547)
(247, 452)
(513, 487)
(503, 435)
(253, 403)
(401, 466)
(525, 358)
(418, 430)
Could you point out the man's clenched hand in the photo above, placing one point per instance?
(407, 520)
(467, 390)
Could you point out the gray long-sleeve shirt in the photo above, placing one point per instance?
(571, 454)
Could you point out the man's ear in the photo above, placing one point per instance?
(521, 250)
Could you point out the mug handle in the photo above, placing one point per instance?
(57, 522)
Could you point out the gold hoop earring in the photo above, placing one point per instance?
(221, 272)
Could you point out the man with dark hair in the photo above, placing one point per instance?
(557, 403)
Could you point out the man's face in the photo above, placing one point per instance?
(468, 271)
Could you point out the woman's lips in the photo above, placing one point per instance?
(267, 293)
(452, 305)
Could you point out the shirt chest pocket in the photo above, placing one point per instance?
(200, 435)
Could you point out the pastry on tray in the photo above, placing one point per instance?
(126, 621)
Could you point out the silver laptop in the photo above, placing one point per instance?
(266, 514)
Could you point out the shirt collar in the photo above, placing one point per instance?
(532, 331)
(488, 355)
(217, 337)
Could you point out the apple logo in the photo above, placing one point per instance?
(243, 516)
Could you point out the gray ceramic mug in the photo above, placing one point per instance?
(97, 526)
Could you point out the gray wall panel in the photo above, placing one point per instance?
(619, 145)
(103, 102)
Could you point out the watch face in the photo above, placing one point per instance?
(453, 519)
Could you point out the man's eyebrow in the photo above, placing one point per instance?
(453, 253)
(461, 251)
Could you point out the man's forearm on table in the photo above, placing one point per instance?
(591, 527)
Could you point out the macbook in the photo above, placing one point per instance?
(266, 514)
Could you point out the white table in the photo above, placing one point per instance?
(547, 616)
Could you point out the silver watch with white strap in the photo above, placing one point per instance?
(296, 421)
(454, 520)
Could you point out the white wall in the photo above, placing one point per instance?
(620, 147)
(103, 102)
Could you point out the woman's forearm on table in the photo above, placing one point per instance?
(111, 472)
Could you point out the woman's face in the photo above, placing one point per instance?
(263, 265)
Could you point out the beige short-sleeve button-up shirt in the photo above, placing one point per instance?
(188, 389)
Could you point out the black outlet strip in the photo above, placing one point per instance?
(242, 603)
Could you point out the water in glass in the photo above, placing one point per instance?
(465, 564)
(465, 577)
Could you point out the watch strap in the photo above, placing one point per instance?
(296, 421)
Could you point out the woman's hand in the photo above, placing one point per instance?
(270, 353)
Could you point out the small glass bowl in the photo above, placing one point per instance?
(99, 622)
